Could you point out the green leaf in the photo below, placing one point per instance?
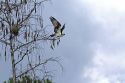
(4, 82)
(10, 80)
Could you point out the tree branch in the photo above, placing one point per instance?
(28, 15)
(44, 38)
(50, 59)
(22, 57)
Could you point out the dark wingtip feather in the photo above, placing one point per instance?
(52, 35)
(63, 28)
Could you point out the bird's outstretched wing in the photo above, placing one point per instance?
(55, 23)
(62, 28)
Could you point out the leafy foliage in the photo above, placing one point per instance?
(28, 79)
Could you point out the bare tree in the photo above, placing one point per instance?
(21, 32)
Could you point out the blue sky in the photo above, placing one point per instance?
(92, 51)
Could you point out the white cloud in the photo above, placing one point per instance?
(106, 11)
(106, 68)
(108, 62)
(109, 15)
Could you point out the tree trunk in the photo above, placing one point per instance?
(13, 62)
(13, 67)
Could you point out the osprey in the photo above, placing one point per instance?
(57, 28)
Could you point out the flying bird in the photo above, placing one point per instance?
(57, 28)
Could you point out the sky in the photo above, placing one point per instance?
(92, 51)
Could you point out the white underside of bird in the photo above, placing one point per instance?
(58, 33)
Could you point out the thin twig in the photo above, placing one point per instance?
(21, 58)
(50, 59)
(32, 41)
(28, 15)
(31, 66)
